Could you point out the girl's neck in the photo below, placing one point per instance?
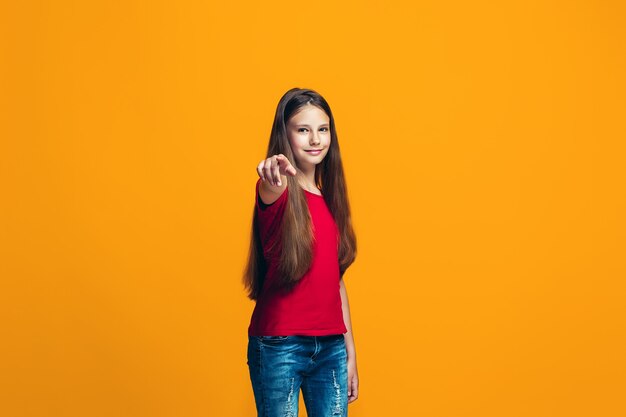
(307, 180)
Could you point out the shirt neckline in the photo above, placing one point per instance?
(316, 195)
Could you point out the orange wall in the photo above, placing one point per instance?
(484, 151)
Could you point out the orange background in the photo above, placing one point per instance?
(483, 144)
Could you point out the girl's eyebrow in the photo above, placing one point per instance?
(325, 124)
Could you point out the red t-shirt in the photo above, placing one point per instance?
(313, 307)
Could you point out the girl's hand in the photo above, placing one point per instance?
(272, 168)
(353, 381)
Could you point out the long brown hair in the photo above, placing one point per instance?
(295, 249)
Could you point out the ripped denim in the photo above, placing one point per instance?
(282, 365)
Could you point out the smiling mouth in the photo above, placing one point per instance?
(313, 150)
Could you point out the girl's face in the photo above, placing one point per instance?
(309, 130)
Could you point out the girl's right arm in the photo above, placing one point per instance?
(273, 172)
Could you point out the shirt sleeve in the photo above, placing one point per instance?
(269, 215)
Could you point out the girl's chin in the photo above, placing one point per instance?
(309, 163)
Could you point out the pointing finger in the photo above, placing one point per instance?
(284, 161)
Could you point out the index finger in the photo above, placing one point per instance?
(282, 159)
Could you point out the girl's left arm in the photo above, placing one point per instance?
(353, 378)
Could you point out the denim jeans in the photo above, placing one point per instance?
(281, 365)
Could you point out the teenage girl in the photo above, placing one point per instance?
(300, 333)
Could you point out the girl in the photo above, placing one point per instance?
(300, 333)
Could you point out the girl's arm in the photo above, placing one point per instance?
(353, 374)
(272, 171)
(345, 306)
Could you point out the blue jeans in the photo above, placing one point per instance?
(280, 365)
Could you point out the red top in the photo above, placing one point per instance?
(313, 307)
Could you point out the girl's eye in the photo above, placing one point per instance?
(304, 128)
